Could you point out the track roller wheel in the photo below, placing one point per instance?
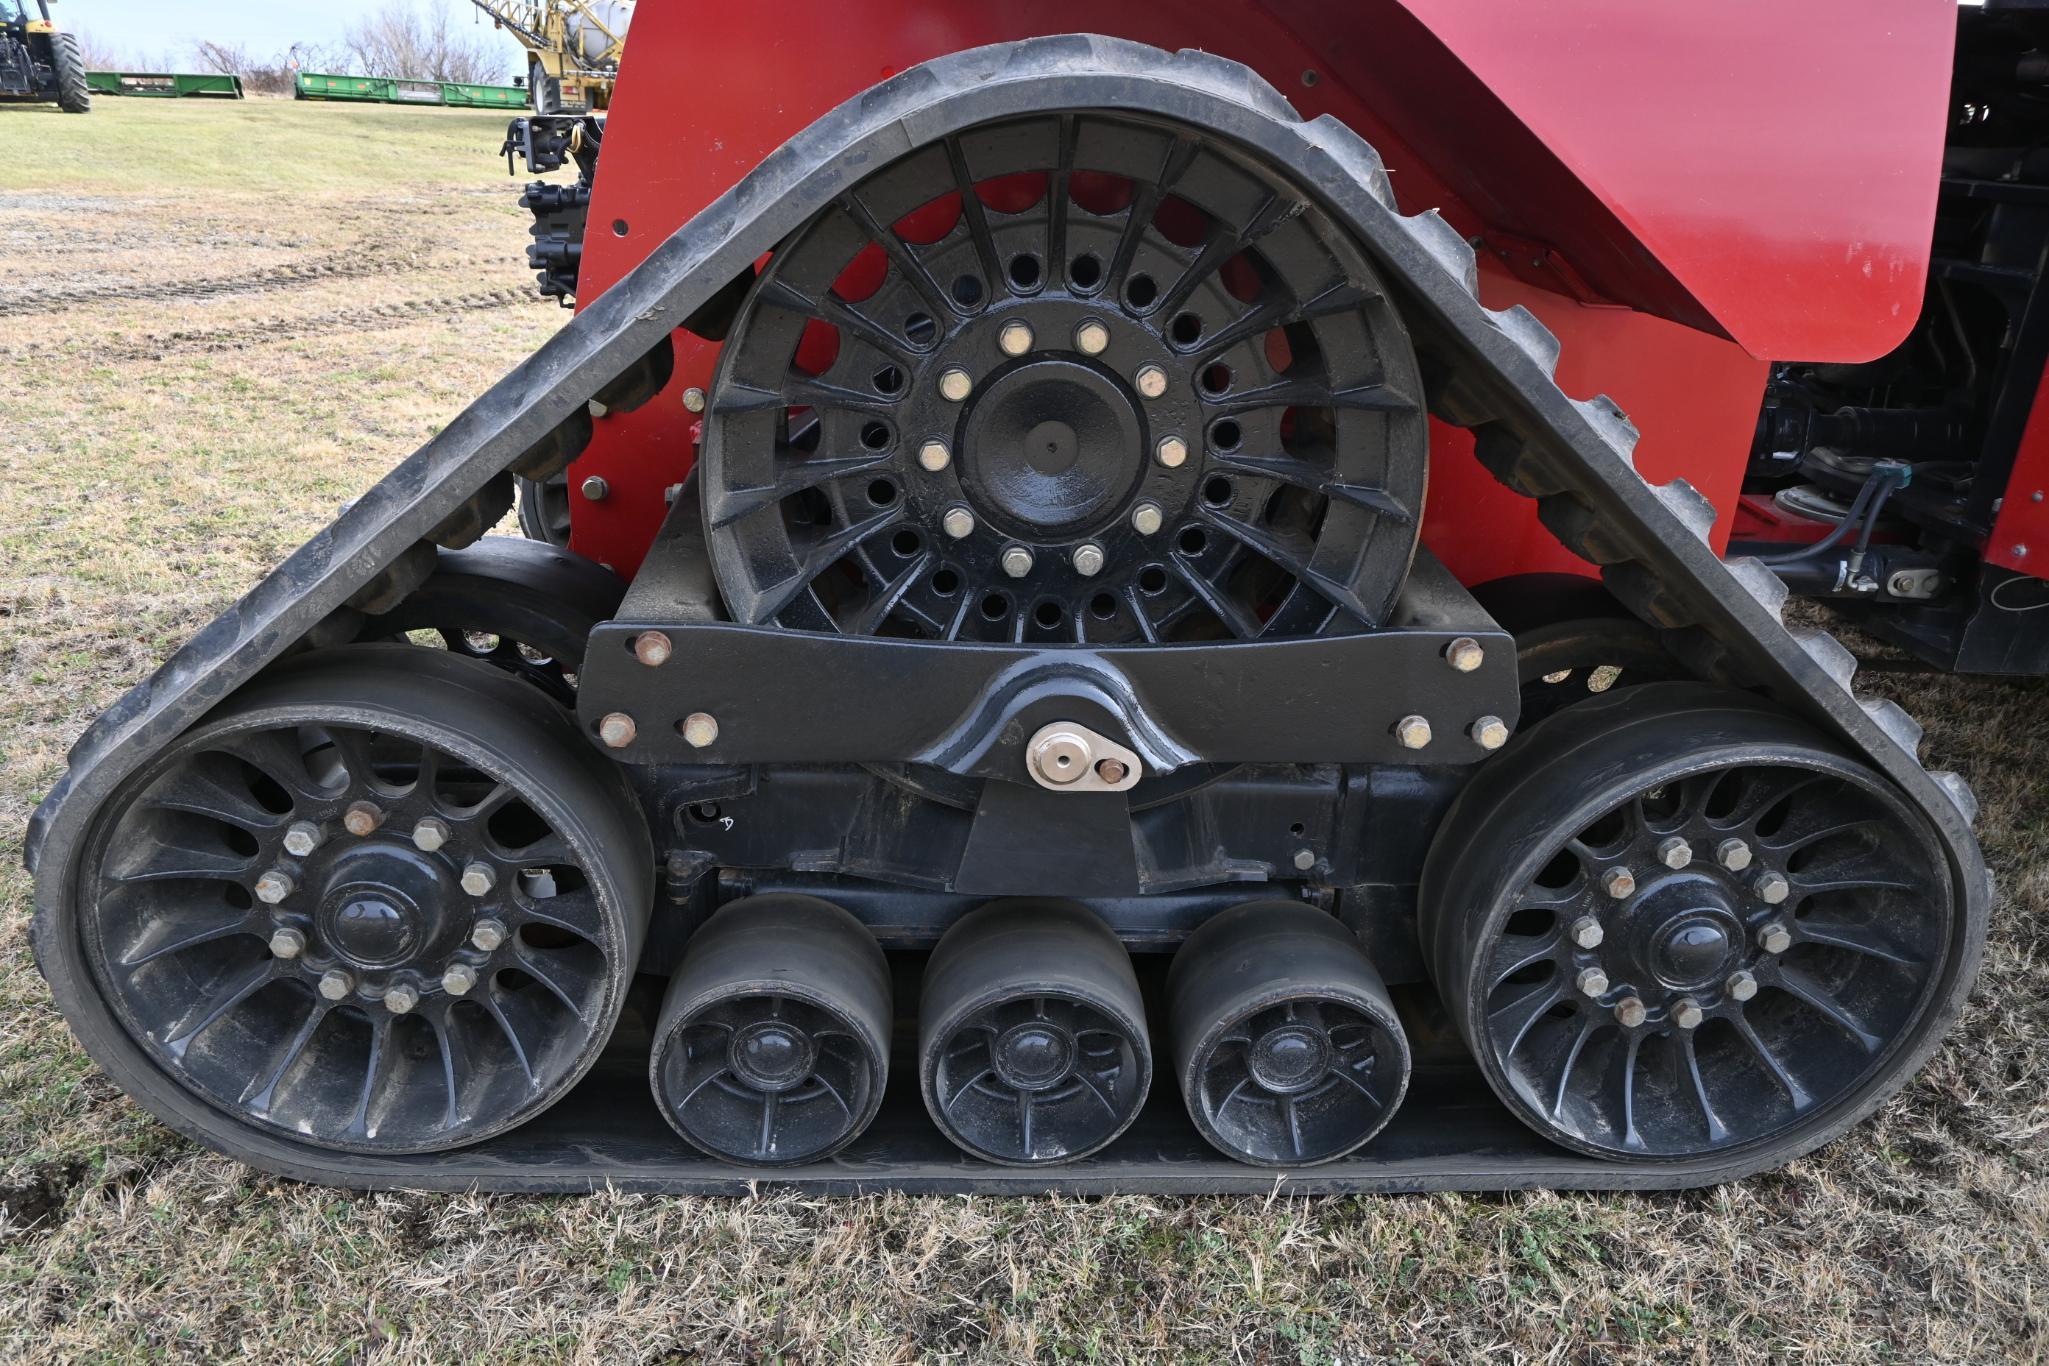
(383, 901)
(1031, 1035)
(1285, 1042)
(773, 1042)
(1573, 640)
(1674, 923)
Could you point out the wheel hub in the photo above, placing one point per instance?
(383, 906)
(1690, 936)
(1034, 1056)
(1290, 1058)
(772, 1055)
(1052, 448)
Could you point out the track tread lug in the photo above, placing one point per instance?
(1531, 337)
(1451, 251)
(1689, 505)
(1959, 792)
(1831, 654)
(1611, 424)
(1760, 582)
(1890, 717)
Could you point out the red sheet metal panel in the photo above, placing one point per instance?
(2020, 534)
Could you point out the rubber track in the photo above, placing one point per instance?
(1572, 456)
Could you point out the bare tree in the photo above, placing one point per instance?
(266, 75)
(424, 41)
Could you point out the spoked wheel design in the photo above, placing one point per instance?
(773, 1045)
(1711, 932)
(385, 901)
(1032, 1035)
(521, 606)
(1287, 1047)
(1076, 378)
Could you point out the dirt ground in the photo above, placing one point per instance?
(217, 323)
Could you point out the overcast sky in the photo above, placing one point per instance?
(168, 27)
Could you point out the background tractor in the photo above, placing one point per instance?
(37, 63)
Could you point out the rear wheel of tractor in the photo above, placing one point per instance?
(383, 901)
(74, 95)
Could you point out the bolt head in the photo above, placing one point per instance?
(1587, 932)
(1088, 560)
(693, 399)
(287, 943)
(362, 818)
(1630, 1012)
(1061, 757)
(596, 489)
(1015, 339)
(459, 978)
(958, 522)
(302, 838)
(1742, 986)
(1091, 338)
(400, 1000)
(653, 648)
(274, 886)
(700, 729)
(1772, 888)
(1172, 452)
(1152, 381)
(616, 729)
(336, 984)
(1305, 859)
(1733, 854)
(1017, 562)
(934, 455)
(1618, 883)
(430, 833)
(1591, 982)
(1112, 771)
(1489, 732)
(1413, 732)
(487, 934)
(1465, 654)
(1146, 518)
(479, 878)
(1674, 852)
(1775, 938)
(955, 384)
(1686, 1013)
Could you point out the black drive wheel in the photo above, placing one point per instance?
(1086, 377)
(773, 1043)
(74, 94)
(1573, 640)
(1671, 923)
(1285, 1041)
(1032, 1042)
(543, 506)
(524, 607)
(543, 92)
(382, 901)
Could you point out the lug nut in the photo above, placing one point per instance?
(693, 399)
(1091, 338)
(1412, 731)
(1146, 518)
(1775, 937)
(596, 489)
(935, 455)
(287, 944)
(959, 523)
(487, 934)
(1771, 888)
(1305, 859)
(1618, 883)
(1088, 560)
(1152, 381)
(1630, 1012)
(1733, 854)
(653, 648)
(1112, 771)
(1742, 986)
(1017, 562)
(479, 878)
(1171, 452)
(274, 886)
(1489, 732)
(1587, 932)
(955, 384)
(1591, 982)
(302, 838)
(700, 728)
(430, 833)
(400, 1000)
(1686, 1013)
(459, 978)
(336, 984)
(362, 818)
(1015, 338)
(616, 729)
(1465, 654)
(1674, 852)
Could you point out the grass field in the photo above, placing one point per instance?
(217, 323)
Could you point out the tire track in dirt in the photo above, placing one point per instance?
(349, 264)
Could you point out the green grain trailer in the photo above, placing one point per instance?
(166, 85)
(313, 85)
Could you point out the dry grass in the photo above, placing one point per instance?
(196, 380)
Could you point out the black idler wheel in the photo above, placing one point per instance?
(773, 1042)
(1032, 1040)
(1287, 1047)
